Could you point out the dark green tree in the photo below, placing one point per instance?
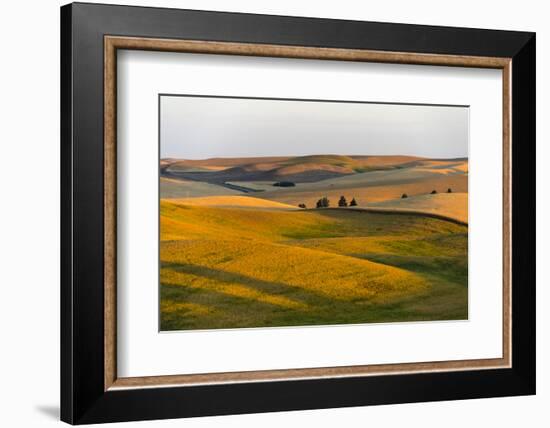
(342, 202)
(284, 184)
(404, 195)
(353, 203)
(302, 206)
(323, 202)
(434, 192)
(449, 190)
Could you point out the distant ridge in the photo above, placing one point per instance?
(300, 169)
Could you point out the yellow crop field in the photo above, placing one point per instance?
(452, 205)
(239, 261)
(232, 201)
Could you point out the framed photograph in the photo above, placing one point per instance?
(266, 213)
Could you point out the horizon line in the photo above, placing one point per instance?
(303, 156)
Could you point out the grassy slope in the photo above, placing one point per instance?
(453, 205)
(414, 178)
(299, 169)
(172, 188)
(232, 201)
(368, 193)
(276, 162)
(231, 267)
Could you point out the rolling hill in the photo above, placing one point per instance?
(452, 205)
(232, 201)
(300, 169)
(180, 188)
(368, 179)
(236, 251)
(232, 267)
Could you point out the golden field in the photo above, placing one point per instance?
(232, 201)
(240, 267)
(237, 250)
(452, 205)
(374, 181)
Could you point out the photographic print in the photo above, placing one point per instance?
(291, 212)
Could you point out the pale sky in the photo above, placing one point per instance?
(200, 128)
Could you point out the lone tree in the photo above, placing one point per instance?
(404, 195)
(323, 202)
(284, 184)
(342, 202)
(353, 203)
(434, 192)
(449, 190)
(302, 206)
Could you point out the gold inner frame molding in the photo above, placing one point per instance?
(113, 43)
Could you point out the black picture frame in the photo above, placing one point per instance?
(83, 398)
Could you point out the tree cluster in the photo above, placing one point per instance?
(323, 202)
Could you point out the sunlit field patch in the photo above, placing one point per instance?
(231, 267)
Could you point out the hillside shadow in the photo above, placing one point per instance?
(295, 293)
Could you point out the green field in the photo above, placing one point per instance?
(231, 267)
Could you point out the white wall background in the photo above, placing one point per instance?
(29, 213)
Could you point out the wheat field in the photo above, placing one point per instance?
(240, 261)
